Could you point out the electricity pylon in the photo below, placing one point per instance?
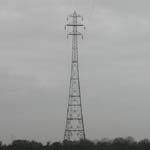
(74, 130)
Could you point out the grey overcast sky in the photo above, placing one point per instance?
(35, 61)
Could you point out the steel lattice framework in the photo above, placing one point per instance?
(74, 130)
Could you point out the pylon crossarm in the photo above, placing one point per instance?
(71, 24)
(73, 15)
(71, 33)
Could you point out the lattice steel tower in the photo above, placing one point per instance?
(74, 130)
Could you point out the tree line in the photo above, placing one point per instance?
(104, 144)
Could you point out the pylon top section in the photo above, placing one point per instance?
(74, 24)
(75, 14)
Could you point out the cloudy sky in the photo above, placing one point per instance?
(35, 61)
